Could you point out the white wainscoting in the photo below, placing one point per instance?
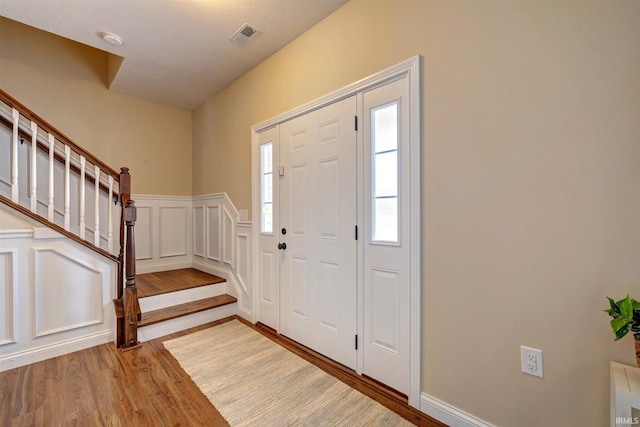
(55, 297)
(203, 232)
(163, 233)
(222, 245)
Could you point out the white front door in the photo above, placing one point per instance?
(318, 282)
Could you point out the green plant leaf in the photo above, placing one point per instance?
(613, 310)
(625, 315)
(626, 307)
(623, 331)
(619, 323)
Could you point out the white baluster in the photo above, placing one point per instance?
(83, 165)
(14, 156)
(67, 185)
(110, 204)
(34, 174)
(52, 144)
(96, 236)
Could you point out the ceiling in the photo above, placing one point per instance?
(175, 52)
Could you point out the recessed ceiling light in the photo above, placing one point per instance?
(111, 38)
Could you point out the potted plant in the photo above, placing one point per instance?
(626, 317)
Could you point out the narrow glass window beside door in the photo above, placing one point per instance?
(384, 171)
(266, 156)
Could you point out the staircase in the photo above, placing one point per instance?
(46, 177)
(175, 300)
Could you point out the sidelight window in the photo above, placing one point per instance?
(384, 169)
(266, 161)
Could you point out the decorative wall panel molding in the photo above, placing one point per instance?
(198, 238)
(144, 233)
(212, 232)
(173, 231)
(164, 232)
(67, 292)
(227, 237)
(55, 296)
(8, 278)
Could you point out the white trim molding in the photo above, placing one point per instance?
(8, 296)
(54, 349)
(450, 415)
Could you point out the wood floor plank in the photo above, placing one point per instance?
(7, 379)
(173, 312)
(162, 282)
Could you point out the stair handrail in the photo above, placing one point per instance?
(116, 184)
(62, 151)
(50, 129)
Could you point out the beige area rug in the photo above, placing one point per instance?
(253, 381)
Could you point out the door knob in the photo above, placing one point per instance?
(282, 246)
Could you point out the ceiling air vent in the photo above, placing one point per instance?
(243, 34)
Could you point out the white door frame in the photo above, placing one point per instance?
(412, 70)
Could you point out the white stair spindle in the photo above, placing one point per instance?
(34, 173)
(96, 236)
(52, 144)
(67, 185)
(83, 165)
(14, 156)
(110, 204)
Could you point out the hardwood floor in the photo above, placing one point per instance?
(102, 386)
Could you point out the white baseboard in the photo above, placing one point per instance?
(448, 414)
(37, 354)
(245, 314)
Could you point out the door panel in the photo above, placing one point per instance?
(318, 210)
(386, 235)
(268, 286)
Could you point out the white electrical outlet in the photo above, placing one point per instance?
(531, 361)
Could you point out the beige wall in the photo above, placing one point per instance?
(65, 83)
(531, 176)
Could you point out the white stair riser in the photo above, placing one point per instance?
(185, 322)
(180, 297)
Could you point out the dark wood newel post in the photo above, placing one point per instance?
(125, 195)
(130, 303)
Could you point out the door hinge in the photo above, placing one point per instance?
(356, 122)
(356, 232)
(356, 341)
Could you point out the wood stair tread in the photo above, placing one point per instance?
(156, 316)
(162, 282)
